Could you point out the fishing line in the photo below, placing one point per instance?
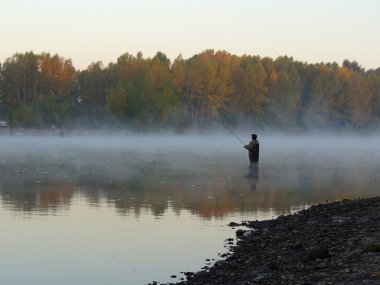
(232, 133)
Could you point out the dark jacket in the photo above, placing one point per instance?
(254, 148)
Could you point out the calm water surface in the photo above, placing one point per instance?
(133, 209)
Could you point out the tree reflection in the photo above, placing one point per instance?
(210, 193)
(49, 197)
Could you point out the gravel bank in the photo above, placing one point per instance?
(332, 243)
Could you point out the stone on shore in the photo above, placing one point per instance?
(334, 243)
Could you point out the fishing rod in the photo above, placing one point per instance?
(232, 133)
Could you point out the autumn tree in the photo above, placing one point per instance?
(322, 86)
(165, 101)
(44, 89)
(374, 85)
(250, 88)
(58, 82)
(1, 94)
(355, 98)
(178, 79)
(117, 101)
(178, 73)
(284, 93)
(353, 66)
(58, 76)
(20, 89)
(132, 87)
(29, 80)
(20, 80)
(207, 86)
(94, 83)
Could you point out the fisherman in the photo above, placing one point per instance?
(253, 147)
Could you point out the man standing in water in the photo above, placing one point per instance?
(253, 147)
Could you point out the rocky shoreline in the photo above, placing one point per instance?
(332, 243)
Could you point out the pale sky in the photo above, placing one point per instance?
(92, 30)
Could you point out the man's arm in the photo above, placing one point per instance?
(251, 145)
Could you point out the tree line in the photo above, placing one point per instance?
(43, 90)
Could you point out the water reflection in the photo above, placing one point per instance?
(44, 198)
(111, 209)
(44, 177)
(253, 175)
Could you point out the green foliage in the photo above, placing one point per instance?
(93, 85)
(117, 102)
(26, 116)
(58, 110)
(374, 86)
(20, 80)
(354, 66)
(166, 106)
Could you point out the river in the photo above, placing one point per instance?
(130, 209)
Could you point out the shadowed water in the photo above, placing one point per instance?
(131, 209)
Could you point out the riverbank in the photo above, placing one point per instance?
(332, 243)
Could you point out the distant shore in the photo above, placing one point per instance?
(332, 243)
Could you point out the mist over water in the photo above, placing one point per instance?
(142, 207)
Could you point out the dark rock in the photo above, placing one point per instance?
(369, 245)
(376, 275)
(240, 233)
(297, 245)
(319, 251)
(274, 266)
(188, 274)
